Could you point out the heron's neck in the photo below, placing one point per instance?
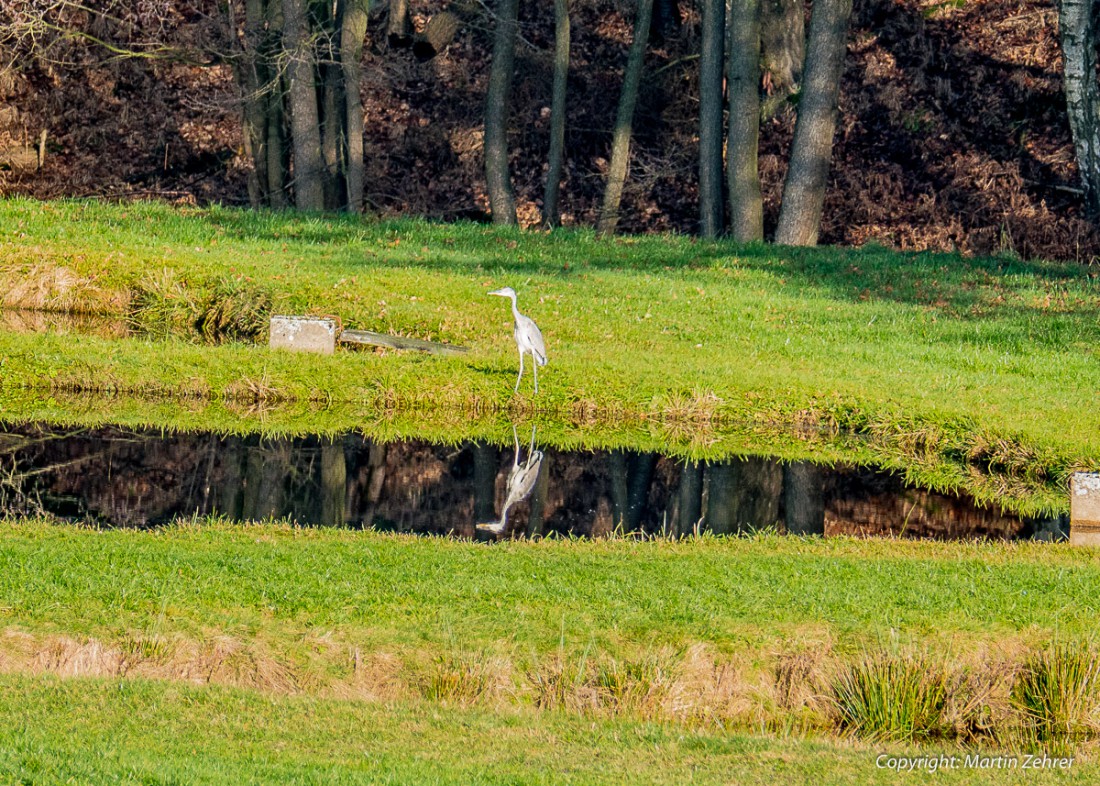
(515, 311)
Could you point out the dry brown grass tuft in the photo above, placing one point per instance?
(713, 691)
(464, 678)
(687, 418)
(47, 286)
(801, 678)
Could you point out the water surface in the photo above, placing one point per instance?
(144, 478)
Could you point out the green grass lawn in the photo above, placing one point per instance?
(518, 598)
(210, 652)
(977, 374)
(135, 731)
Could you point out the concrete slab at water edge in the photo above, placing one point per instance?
(303, 334)
(1084, 509)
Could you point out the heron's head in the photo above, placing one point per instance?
(504, 292)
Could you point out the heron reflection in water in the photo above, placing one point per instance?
(521, 481)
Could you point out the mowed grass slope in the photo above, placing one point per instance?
(987, 363)
(94, 731)
(213, 653)
(520, 599)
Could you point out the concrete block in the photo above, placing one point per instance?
(1084, 509)
(303, 334)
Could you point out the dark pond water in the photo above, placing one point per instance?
(128, 478)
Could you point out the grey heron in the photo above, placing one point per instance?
(528, 337)
(521, 481)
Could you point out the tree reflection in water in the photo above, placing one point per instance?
(142, 478)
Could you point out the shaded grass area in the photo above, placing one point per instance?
(111, 731)
(972, 374)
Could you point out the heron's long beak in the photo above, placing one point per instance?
(500, 292)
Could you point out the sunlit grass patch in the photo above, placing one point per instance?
(973, 374)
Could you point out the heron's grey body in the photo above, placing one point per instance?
(521, 480)
(528, 337)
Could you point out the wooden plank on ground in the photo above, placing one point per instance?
(398, 342)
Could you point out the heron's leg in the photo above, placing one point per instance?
(520, 372)
(535, 366)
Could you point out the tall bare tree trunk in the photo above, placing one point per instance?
(1077, 30)
(353, 31)
(803, 499)
(551, 213)
(399, 28)
(502, 199)
(247, 70)
(782, 49)
(711, 61)
(691, 497)
(486, 465)
(278, 147)
(631, 476)
(742, 151)
(624, 123)
(743, 495)
(811, 149)
(334, 109)
(305, 122)
(334, 481)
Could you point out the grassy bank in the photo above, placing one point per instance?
(979, 374)
(741, 633)
(134, 731)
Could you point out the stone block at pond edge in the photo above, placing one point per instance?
(303, 334)
(1084, 509)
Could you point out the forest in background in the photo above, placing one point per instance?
(952, 131)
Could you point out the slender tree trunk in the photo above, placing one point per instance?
(721, 503)
(399, 28)
(274, 97)
(231, 488)
(334, 482)
(334, 110)
(352, 34)
(278, 148)
(711, 61)
(742, 151)
(1077, 30)
(811, 149)
(782, 50)
(305, 121)
(486, 464)
(803, 499)
(743, 495)
(248, 72)
(631, 476)
(691, 497)
(638, 482)
(502, 199)
(551, 213)
(618, 466)
(666, 20)
(624, 123)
